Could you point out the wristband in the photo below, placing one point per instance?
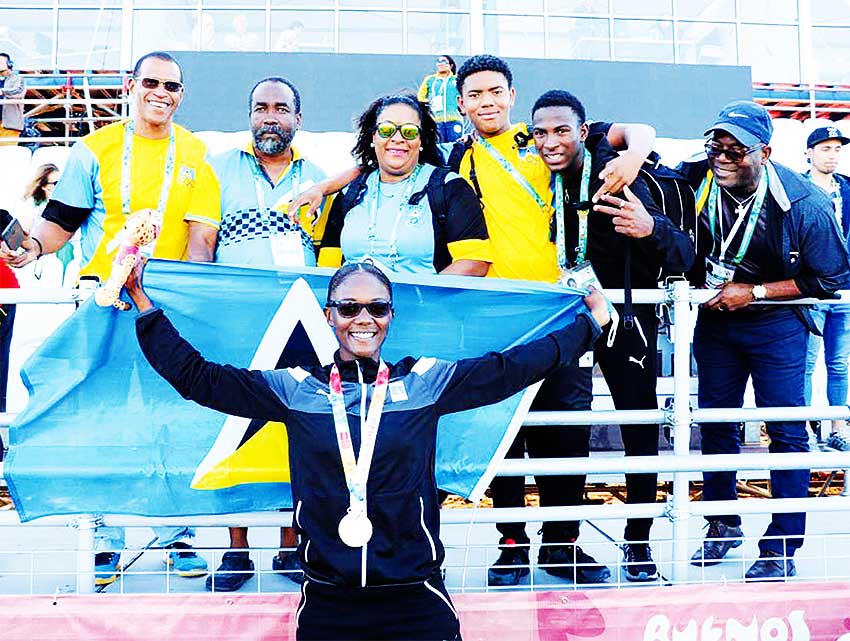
(40, 247)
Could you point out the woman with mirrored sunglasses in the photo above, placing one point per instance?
(405, 211)
(362, 444)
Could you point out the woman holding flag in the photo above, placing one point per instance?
(366, 507)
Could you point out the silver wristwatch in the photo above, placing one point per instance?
(759, 292)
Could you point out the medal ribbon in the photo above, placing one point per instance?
(584, 196)
(357, 470)
(715, 211)
(521, 180)
(372, 234)
(167, 178)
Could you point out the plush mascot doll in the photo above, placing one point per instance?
(140, 230)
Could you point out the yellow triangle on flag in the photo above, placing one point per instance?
(263, 458)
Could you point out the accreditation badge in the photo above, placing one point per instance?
(717, 273)
(287, 250)
(580, 276)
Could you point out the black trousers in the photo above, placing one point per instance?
(416, 612)
(629, 367)
(7, 322)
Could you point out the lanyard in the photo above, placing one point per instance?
(126, 164)
(357, 471)
(560, 234)
(260, 178)
(715, 212)
(372, 233)
(518, 177)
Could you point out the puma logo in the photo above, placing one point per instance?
(632, 359)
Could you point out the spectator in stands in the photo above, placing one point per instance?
(241, 39)
(513, 184)
(37, 193)
(147, 162)
(288, 38)
(11, 87)
(823, 149)
(36, 196)
(404, 212)
(766, 234)
(635, 238)
(439, 91)
(254, 185)
(395, 591)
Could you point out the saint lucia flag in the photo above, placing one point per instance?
(104, 434)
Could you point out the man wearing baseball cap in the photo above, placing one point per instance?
(765, 232)
(823, 150)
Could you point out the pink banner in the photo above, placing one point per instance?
(765, 612)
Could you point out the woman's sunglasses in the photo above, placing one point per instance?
(352, 309)
(172, 86)
(387, 129)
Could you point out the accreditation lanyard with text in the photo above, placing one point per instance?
(286, 246)
(719, 270)
(167, 179)
(560, 232)
(355, 528)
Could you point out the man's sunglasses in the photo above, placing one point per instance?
(387, 129)
(735, 155)
(352, 309)
(171, 86)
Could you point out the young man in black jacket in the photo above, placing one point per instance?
(627, 241)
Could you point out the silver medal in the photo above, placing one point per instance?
(355, 529)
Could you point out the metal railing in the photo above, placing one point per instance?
(680, 417)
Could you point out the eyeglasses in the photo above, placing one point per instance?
(352, 309)
(387, 129)
(172, 86)
(51, 182)
(442, 61)
(735, 155)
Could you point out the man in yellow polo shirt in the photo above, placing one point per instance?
(146, 162)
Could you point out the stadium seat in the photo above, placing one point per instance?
(15, 170)
(789, 143)
(56, 155)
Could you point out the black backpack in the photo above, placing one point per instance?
(673, 195)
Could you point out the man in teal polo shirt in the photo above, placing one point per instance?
(256, 184)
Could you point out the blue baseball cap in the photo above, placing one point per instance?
(822, 134)
(747, 121)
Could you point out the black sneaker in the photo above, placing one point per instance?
(289, 565)
(719, 539)
(235, 569)
(569, 561)
(771, 566)
(638, 563)
(511, 565)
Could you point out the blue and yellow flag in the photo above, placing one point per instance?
(104, 434)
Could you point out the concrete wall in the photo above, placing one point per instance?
(680, 100)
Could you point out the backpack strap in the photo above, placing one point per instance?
(354, 195)
(456, 156)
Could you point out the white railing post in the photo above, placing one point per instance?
(85, 524)
(678, 508)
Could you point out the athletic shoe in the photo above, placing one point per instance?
(569, 561)
(289, 565)
(638, 563)
(771, 566)
(838, 441)
(106, 567)
(511, 565)
(235, 570)
(184, 561)
(719, 539)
